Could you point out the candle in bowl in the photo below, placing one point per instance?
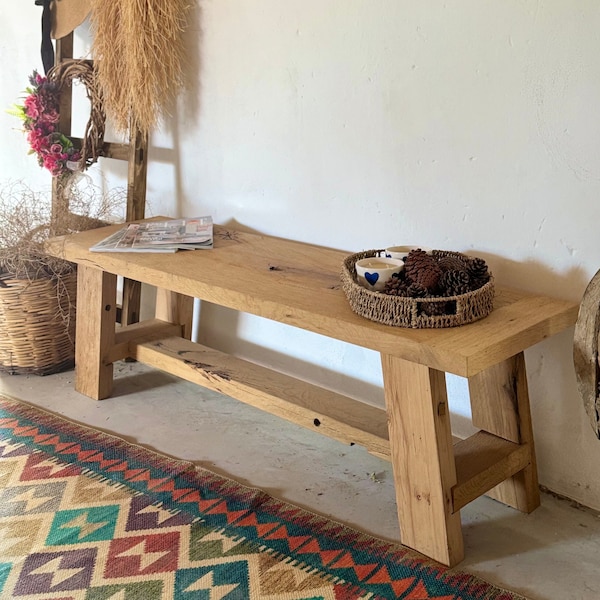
(373, 273)
(403, 251)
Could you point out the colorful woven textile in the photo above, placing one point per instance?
(84, 515)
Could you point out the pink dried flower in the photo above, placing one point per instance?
(51, 116)
(36, 139)
(39, 114)
(32, 106)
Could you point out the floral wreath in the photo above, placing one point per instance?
(40, 115)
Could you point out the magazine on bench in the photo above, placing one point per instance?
(193, 233)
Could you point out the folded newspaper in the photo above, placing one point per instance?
(160, 236)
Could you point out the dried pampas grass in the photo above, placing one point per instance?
(138, 49)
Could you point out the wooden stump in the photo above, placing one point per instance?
(585, 351)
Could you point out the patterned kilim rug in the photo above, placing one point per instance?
(85, 515)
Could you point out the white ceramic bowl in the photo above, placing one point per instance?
(401, 252)
(373, 273)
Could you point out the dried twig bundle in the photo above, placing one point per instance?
(138, 48)
(26, 222)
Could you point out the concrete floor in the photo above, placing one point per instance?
(551, 554)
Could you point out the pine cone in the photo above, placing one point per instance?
(452, 263)
(396, 286)
(422, 269)
(477, 268)
(455, 282)
(478, 272)
(415, 290)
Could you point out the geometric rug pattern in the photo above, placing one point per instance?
(87, 516)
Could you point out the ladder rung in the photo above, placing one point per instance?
(109, 149)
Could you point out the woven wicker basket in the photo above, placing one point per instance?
(413, 312)
(37, 325)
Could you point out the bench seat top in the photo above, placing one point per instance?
(299, 284)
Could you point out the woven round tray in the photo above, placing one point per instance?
(37, 325)
(401, 311)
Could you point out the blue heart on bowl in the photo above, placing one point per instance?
(372, 278)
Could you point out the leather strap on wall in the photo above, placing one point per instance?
(47, 48)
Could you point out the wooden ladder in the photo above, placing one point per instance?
(135, 152)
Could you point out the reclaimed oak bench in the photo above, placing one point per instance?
(299, 284)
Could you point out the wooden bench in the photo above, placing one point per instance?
(299, 284)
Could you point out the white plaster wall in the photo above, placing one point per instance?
(468, 125)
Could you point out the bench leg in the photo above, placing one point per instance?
(422, 459)
(132, 299)
(95, 331)
(500, 405)
(175, 308)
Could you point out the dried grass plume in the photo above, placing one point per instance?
(138, 49)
